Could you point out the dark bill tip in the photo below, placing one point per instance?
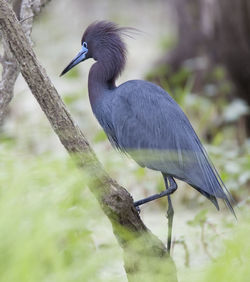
(79, 58)
(66, 69)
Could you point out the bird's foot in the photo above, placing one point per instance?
(138, 209)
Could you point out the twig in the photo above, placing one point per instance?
(204, 243)
(185, 247)
(30, 17)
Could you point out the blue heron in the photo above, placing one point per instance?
(143, 120)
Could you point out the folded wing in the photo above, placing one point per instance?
(151, 127)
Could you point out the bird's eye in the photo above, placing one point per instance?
(85, 45)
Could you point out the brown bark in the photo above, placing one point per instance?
(143, 252)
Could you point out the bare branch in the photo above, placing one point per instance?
(10, 73)
(25, 11)
(142, 250)
(29, 9)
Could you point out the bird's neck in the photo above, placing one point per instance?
(102, 76)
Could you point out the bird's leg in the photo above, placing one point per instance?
(170, 188)
(170, 211)
(170, 216)
(167, 192)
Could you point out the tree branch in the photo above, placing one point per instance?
(25, 10)
(143, 252)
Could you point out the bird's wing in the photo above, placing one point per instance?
(152, 121)
(152, 128)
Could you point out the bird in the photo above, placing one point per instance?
(142, 120)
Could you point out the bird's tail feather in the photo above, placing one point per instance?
(215, 182)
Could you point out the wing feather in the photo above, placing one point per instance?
(151, 127)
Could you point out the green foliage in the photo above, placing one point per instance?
(199, 219)
(175, 83)
(234, 164)
(140, 173)
(71, 98)
(45, 213)
(218, 73)
(100, 136)
(45, 230)
(73, 74)
(167, 42)
(233, 264)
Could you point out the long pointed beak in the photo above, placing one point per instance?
(81, 56)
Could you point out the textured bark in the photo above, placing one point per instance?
(141, 248)
(25, 10)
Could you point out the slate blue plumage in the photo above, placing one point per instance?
(142, 119)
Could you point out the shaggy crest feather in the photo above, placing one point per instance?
(106, 46)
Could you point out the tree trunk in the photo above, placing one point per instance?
(232, 40)
(211, 33)
(144, 253)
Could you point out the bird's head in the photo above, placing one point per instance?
(101, 41)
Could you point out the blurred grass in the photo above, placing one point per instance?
(46, 212)
(46, 235)
(232, 265)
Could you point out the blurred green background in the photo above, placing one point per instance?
(51, 227)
